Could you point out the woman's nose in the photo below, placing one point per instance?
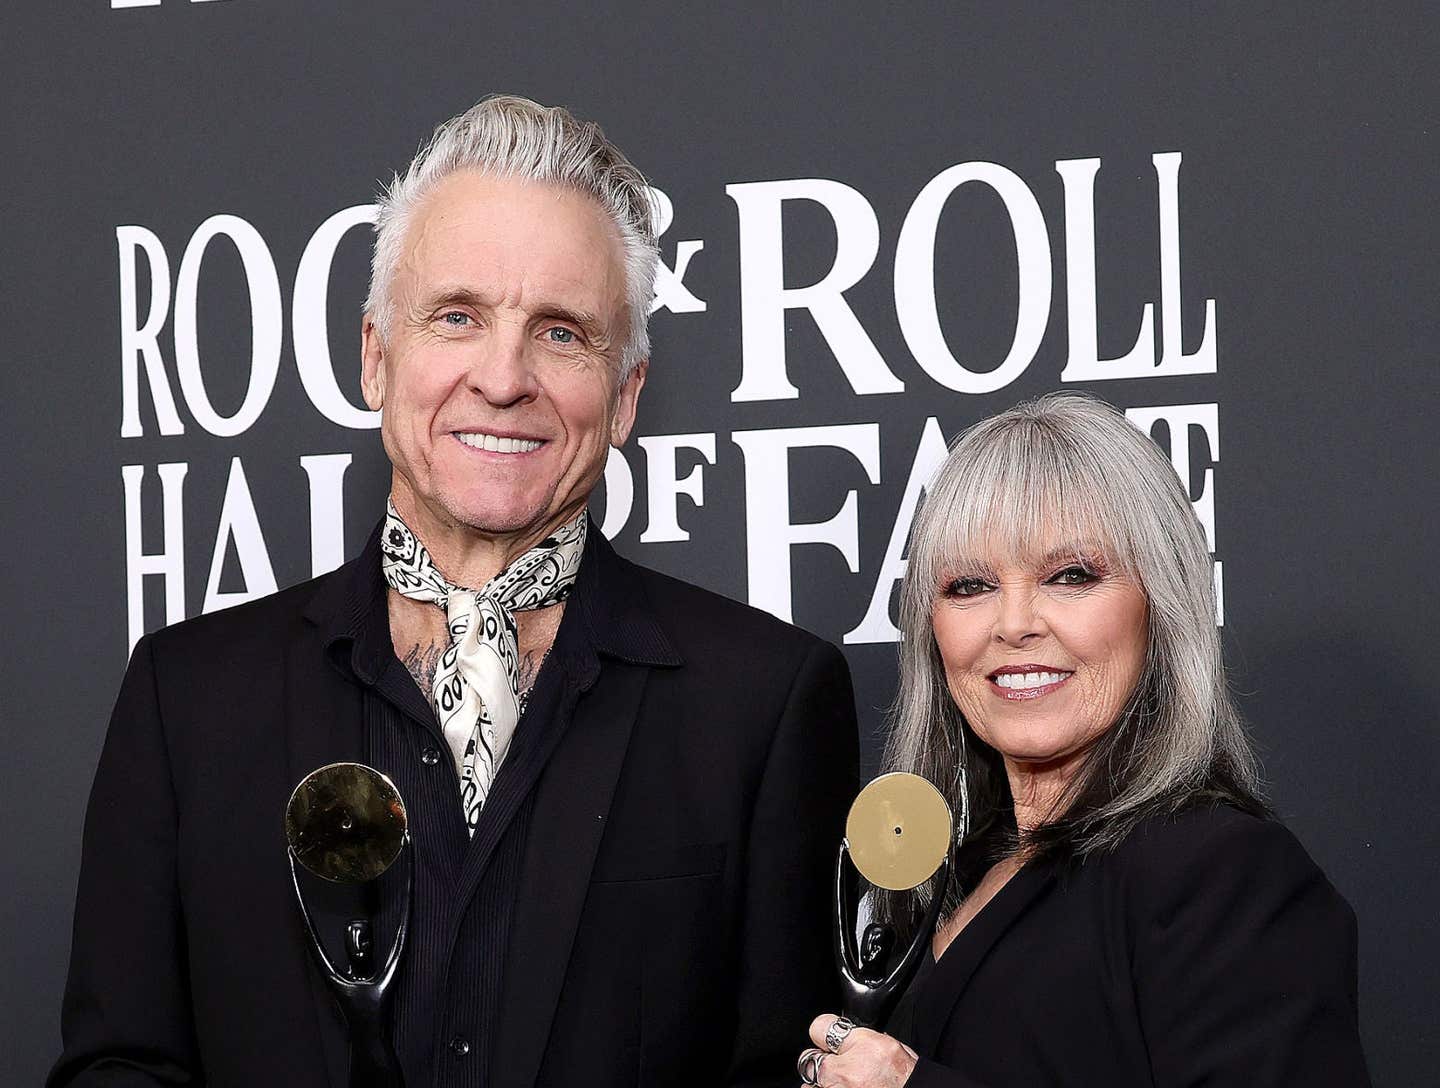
(1019, 621)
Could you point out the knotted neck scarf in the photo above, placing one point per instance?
(476, 687)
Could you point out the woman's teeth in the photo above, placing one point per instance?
(1023, 680)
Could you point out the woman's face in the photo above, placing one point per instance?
(1041, 654)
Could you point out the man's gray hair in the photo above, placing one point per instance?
(1069, 468)
(506, 136)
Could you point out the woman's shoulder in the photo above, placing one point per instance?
(1205, 829)
(1215, 852)
(1241, 954)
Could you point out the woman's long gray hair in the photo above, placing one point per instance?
(1069, 469)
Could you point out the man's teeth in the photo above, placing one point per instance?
(496, 444)
(1029, 679)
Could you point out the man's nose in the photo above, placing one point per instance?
(1019, 621)
(503, 368)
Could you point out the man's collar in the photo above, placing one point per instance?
(611, 601)
(616, 620)
(350, 610)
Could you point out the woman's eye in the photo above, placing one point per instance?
(966, 587)
(561, 335)
(1073, 576)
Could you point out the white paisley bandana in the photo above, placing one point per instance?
(475, 688)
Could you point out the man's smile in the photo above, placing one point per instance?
(498, 443)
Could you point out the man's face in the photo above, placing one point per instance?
(500, 378)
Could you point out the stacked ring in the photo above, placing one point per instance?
(809, 1067)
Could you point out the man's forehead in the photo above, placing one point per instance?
(501, 239)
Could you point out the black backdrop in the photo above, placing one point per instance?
(1303, 208)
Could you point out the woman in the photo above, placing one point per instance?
(1127, 913)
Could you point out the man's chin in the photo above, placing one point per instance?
(490, 520)
(492, 513)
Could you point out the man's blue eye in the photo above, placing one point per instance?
(561, 335)
(455, 318)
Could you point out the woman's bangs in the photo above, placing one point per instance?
(1023, 502)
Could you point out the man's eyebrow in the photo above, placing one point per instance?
(586, 321)
(451, 296)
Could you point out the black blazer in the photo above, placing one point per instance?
(1208, 949)
(673, 891)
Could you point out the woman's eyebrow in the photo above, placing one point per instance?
(968, 568)
(1087, 550)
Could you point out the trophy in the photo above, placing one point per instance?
(897, 836)
(346, 823)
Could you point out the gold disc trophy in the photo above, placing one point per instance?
(898, 835)
(346, 823)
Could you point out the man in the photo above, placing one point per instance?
(624, 792)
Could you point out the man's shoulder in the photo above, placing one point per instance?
(262, 624)
(700, 619)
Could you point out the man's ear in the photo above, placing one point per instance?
(372, 364)
(625, 402)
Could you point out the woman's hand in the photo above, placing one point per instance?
(863, 1059)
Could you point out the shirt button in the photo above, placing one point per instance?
(459, 1046)
(430, 756)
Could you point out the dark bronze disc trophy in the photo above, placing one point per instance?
(897, 836)
(346, 823)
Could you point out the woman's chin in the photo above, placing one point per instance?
(1048, 754)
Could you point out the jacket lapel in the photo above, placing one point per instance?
(953, 971)
(323, 719)
(572, 801)
(617, 641)
(324, 723)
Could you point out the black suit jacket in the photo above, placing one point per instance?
(673, 892)
(1208, 949)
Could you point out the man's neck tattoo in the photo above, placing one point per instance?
(421, 662)
(530, 667)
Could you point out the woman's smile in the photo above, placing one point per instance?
(1027, 681)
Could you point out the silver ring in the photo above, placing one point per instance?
(835, 1034)
(808, 1067)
